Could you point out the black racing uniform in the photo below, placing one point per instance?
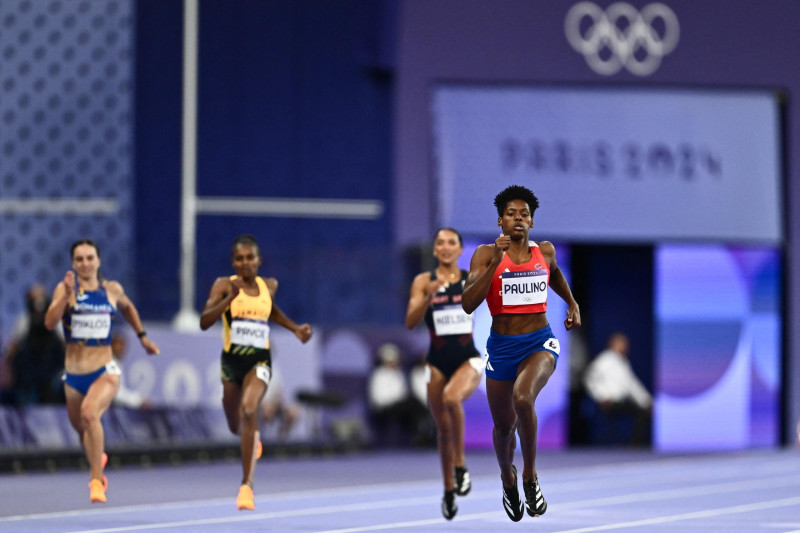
(448, 352)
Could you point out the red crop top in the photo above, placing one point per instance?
(521, 288)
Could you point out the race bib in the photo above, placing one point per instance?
(524, 288)
(90, 326)
(451, 320)
(248, 333)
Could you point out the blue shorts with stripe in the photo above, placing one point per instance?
(82, 382)
(504, 353)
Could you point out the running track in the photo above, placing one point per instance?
(636, 491)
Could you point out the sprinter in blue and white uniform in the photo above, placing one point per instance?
(86, 304)
(246, 302)
(513, 276)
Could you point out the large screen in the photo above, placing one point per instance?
(618, 164)
(718, 347)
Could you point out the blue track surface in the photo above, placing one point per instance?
(756, 491)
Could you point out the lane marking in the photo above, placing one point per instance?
(410, 502)
(429, 484)
(758, 506)
(367, 506)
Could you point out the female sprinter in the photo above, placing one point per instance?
(454, 366)
(245, 302)
(513, 275)
(86, 303)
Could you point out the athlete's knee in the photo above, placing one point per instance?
(248, 412)
(89, 415)
(451, 399)
(523, 402)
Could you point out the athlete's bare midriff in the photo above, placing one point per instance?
(518, 324)
(85, 359)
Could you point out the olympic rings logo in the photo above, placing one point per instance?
(621, 36)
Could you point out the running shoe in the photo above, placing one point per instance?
(97, 491)
(463, 483)
(535, 503)
(245, 499)
(449, 507)
(259, 450)
(511, 502)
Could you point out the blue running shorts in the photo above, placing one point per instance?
(82, 382)
(504, 353)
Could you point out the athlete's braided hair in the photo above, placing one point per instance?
(515, 192)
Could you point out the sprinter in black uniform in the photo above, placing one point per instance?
(245, 302)
(454, 366)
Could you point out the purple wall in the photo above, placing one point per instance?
(732, 44)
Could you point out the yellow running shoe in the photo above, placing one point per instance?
(97, 491)
(245, 499)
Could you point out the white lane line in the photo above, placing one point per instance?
(367, 506)
(698, 490)
(430, 522)
(608, 501)
(409, 502)
(674, 462)
(420, 485)
(301, 494)
(758, 506)
(772, 504)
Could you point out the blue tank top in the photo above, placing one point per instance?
(88, 322)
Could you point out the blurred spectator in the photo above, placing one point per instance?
(425, 428)
(6, 379)
(34, 356)
(275, 407)
(418, 377)
(390, 404)
(126, 397)
(623, 404)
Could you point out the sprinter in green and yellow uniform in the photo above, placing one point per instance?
(245, 302)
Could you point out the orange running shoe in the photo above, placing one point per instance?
(245, 499)
(97, 491)
(259, 450)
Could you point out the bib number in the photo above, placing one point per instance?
(451, 320)
(91, 326)
(247, 333)
(524, 288)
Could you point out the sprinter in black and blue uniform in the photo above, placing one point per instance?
(86, 304)
(454, 366)
(246, 302)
